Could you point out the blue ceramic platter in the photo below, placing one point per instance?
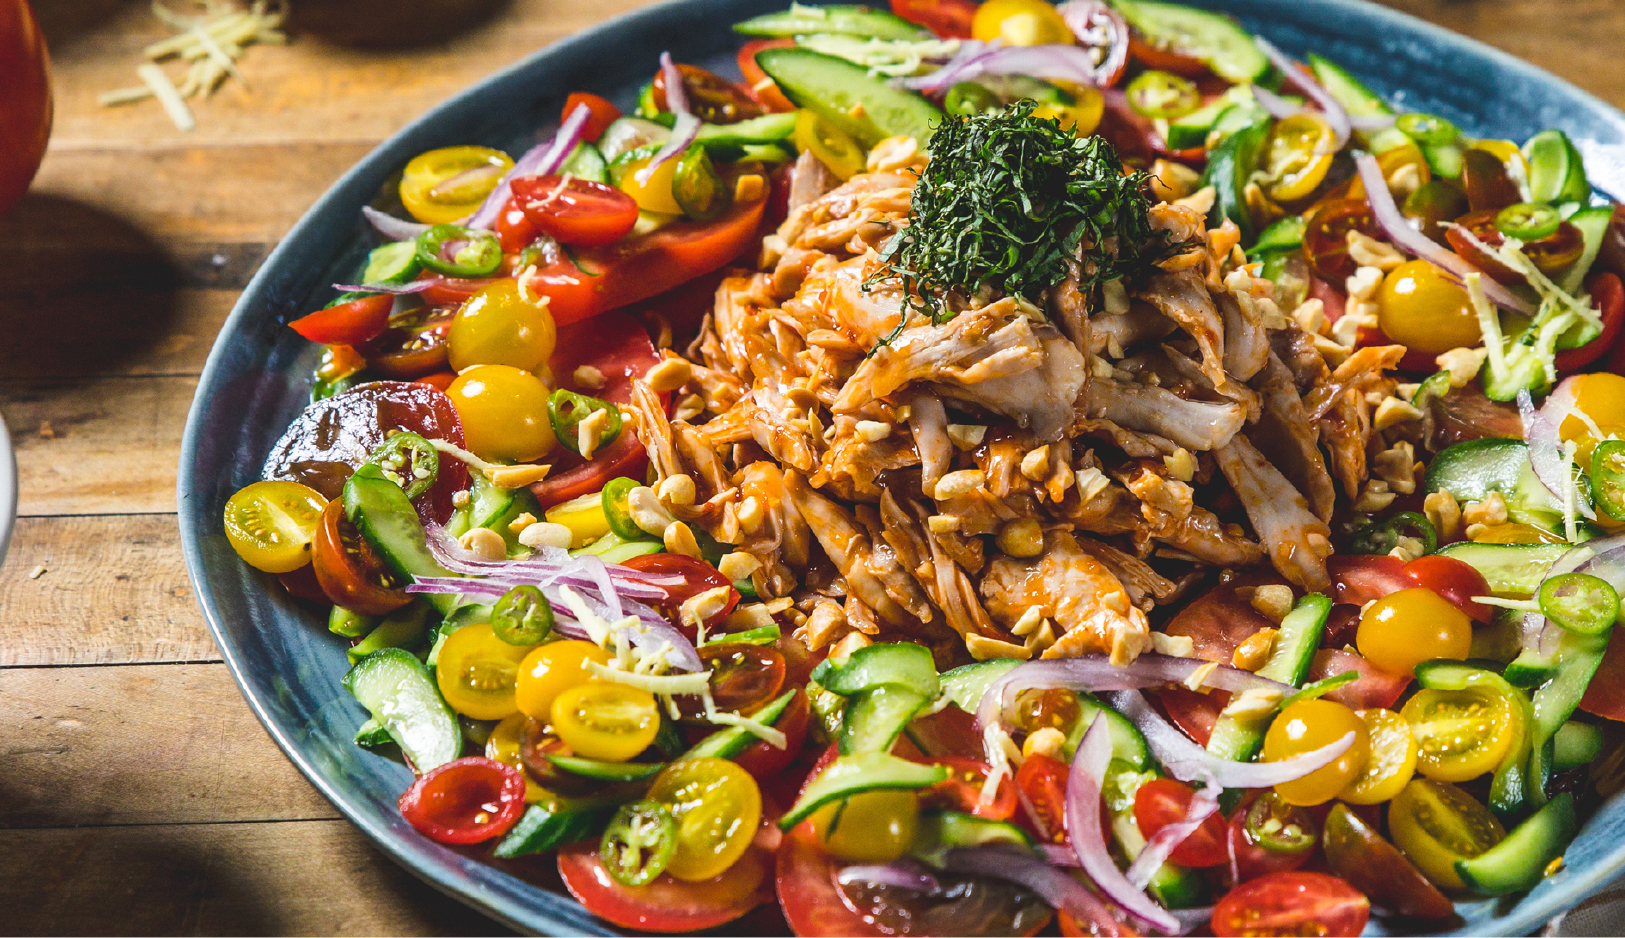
(258, 376)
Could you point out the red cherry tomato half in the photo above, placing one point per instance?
(600, 113)
(452, 291)
(1325, 239)
(440, 380)
(1455, 580)
(962, 789)
(1608, 296)
(1164, 801)
(687, 577)
(950, 19)
(1042, 782)
(1292, 904)
(514, 228)
(576, 211)
(1166, 60)
(1254, 860)
(1193, 712)
(465, 801)
(667, 905)
(761, 87)
(349, 571)
(763, 760)
(1373, 689)
(1219, 620)
(413, 345)
(1360, 578)
(712, 98)
(349, 323)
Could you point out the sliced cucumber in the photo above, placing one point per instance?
(1230, 167)
(396, 262)
(1175, 886)
(1284, 235)
(607, 771)
(942, 831)
(731, 742)
(967, 684)
(1472, 469)
(1128, 743)
(1513, 571)
(862, 22)
(373, 735)
(406, 627)
(1556, 171)
(1520, 861)
(396, 689)
(902, 663)
(1576, 661)
(342, 621)
(851, 775)
(1216, 39)
(835, 89)
(875, 717)
(586, 162)
(545, 827)
(1575, 744)
(1359, 101)
(1594, 225)
(769, 128)
(630, 133)
(386, 518)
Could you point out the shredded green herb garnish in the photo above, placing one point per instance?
(1006, 199)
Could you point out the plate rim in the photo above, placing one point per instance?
(1521, 919)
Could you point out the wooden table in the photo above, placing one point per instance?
(137, 792)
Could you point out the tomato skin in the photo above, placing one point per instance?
(349, 570)
(1252, 859)
(1195, 713)
(1292, 904)
(962, 789)
(600, 114)
(763, 760)
(711, 98)
(1325, 240)
(1165, 60)
(26, 107)
(1360, 578)
(453, 803)
(412, 345)
(1373, 689)
(349, 323)
(949, 19)
(761, 87)
(1358, 854)
(697, 576)
(514, 228)
(743, 677)
(1608, 295)
(1455, 580)
(578, 212)
(1042, 783)
(1164, 801)
(667, 905)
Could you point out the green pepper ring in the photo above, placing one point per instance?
(1579, 603)
(639, 843)
(618, 511)
(567, 409)
(523, 616)
(1163, 95)
(1528, 221)
(480, 257)
(1426, 129)
(1293, 831)
(1608, 478)
(407, 452)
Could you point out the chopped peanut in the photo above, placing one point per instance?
(677, 490)
(522, 522)
(1253, 652)
(737, 565)
(671, 374)
(749, 187)
(1443, 513)
(689, 407)
(1273, 600)
(823, 622)
(872, 431)
(986, 649)
(959, 482)
(1254, 703)
(1045, 741)
(1023, 537)
(1181, 465)
(1178, 646)
(1408, 548)
(749, 616)
(702, 606)
(1492, 510)
(1393, 411)
(1035, 465)
(589, 378)
(1368, 252)
(966, 436)
(1462, 363)
(1397, 466)
(590, 432)
(1041, 638)
(1375, 497)
(1362, 285)
(545, 534)
(646, 511)
(846, 646)
(485, 544)
(943, 524)
(514, 477)
(1029, 621)
(679, 539)
(750, 515)
(1091, 482)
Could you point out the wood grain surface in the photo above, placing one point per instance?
(137, 793)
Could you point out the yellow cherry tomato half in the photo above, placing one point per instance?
(606, 720)
(1435, 824)
(1516, 533)
(1297, 156)
(498, 326)
(1404, 629)
(652, 194)
(504, 412)
(584, 516)
(549, 670)
(717, 807)
(1306, 726)
(872, 827)
(1020, 23)
(504, 744)
(1601, 397)
(1419, 309)
(1083, 115)
(445, 185)
(270, 524)
(1392, 762)
(477, 672)
(833, 146)
(1461, 734)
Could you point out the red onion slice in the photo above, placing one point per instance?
(1189, 762)
(687, 127)
(1050, 884)
(392, 228)
(1546, 455)
(540, 160)
(1068, 63)
(1103, 29)
(1410, 240)
(1083, 789)
(899, 874)
(1277, 106)
(1336, 115)
(416, 286)
(1372, 121)
(1162, 844)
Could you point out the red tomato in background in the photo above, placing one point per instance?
(761, 87)
(667, 905)
(950, 19)
(1360, 578)
(600, 115)
(962, 789)
(1219, 620)
(1192, 711)
(1605, 695)
(1608, 296)
(349, 323)
(690, 578)
(25, 100)
(465, 801)
(1292, 904)
(1254, 860)
(1164, 801)
(763, 760)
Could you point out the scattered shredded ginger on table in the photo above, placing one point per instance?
(209, 44)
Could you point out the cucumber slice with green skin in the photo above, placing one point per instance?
(852, 775)
(1128, 744)
(1512, 570)
(1472, 469)
(731, 742)
(875, 717)
(1359, 101)
(1593, 224)
(901, 663)
(1508, 787)
(496, 508)
(862, 22)
(464, 615)
(833, 88)
(585, 162)
(612, 548)
(630, 133)
(607, 771)
(384, 515)
(1575, 744)
(1217, 40)
(396, 689)
(1577, 659)
(967, 684)
(342, 621)
(1175, 886)
(1556, 171)
(1284, 235)
(1233, 121)
(548, 827)
(406, 627)
(1229, 167)
(1519, 862)
(396, 262)
(1295, 645)
(1012, 88)
(769, 128)
(1501, 640)
(372, 735)
(942, 831)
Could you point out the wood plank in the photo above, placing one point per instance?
(112, 447)
(114, 591)
(150, 744)
(293, 878)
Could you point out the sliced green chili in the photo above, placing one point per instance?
(1280, 827)
(1321, 687)
(968, 99)
(638, 843)
(697, 188)
(1608, 478)
(1427, 130)
(1579, 602)
(407, 460)
(618, 511)
(568, 410)
(523, 616)
(459, 252)
(1163, 95)
(1528, 221)
(1380, 537)
(1433, 386)
(765, 635)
